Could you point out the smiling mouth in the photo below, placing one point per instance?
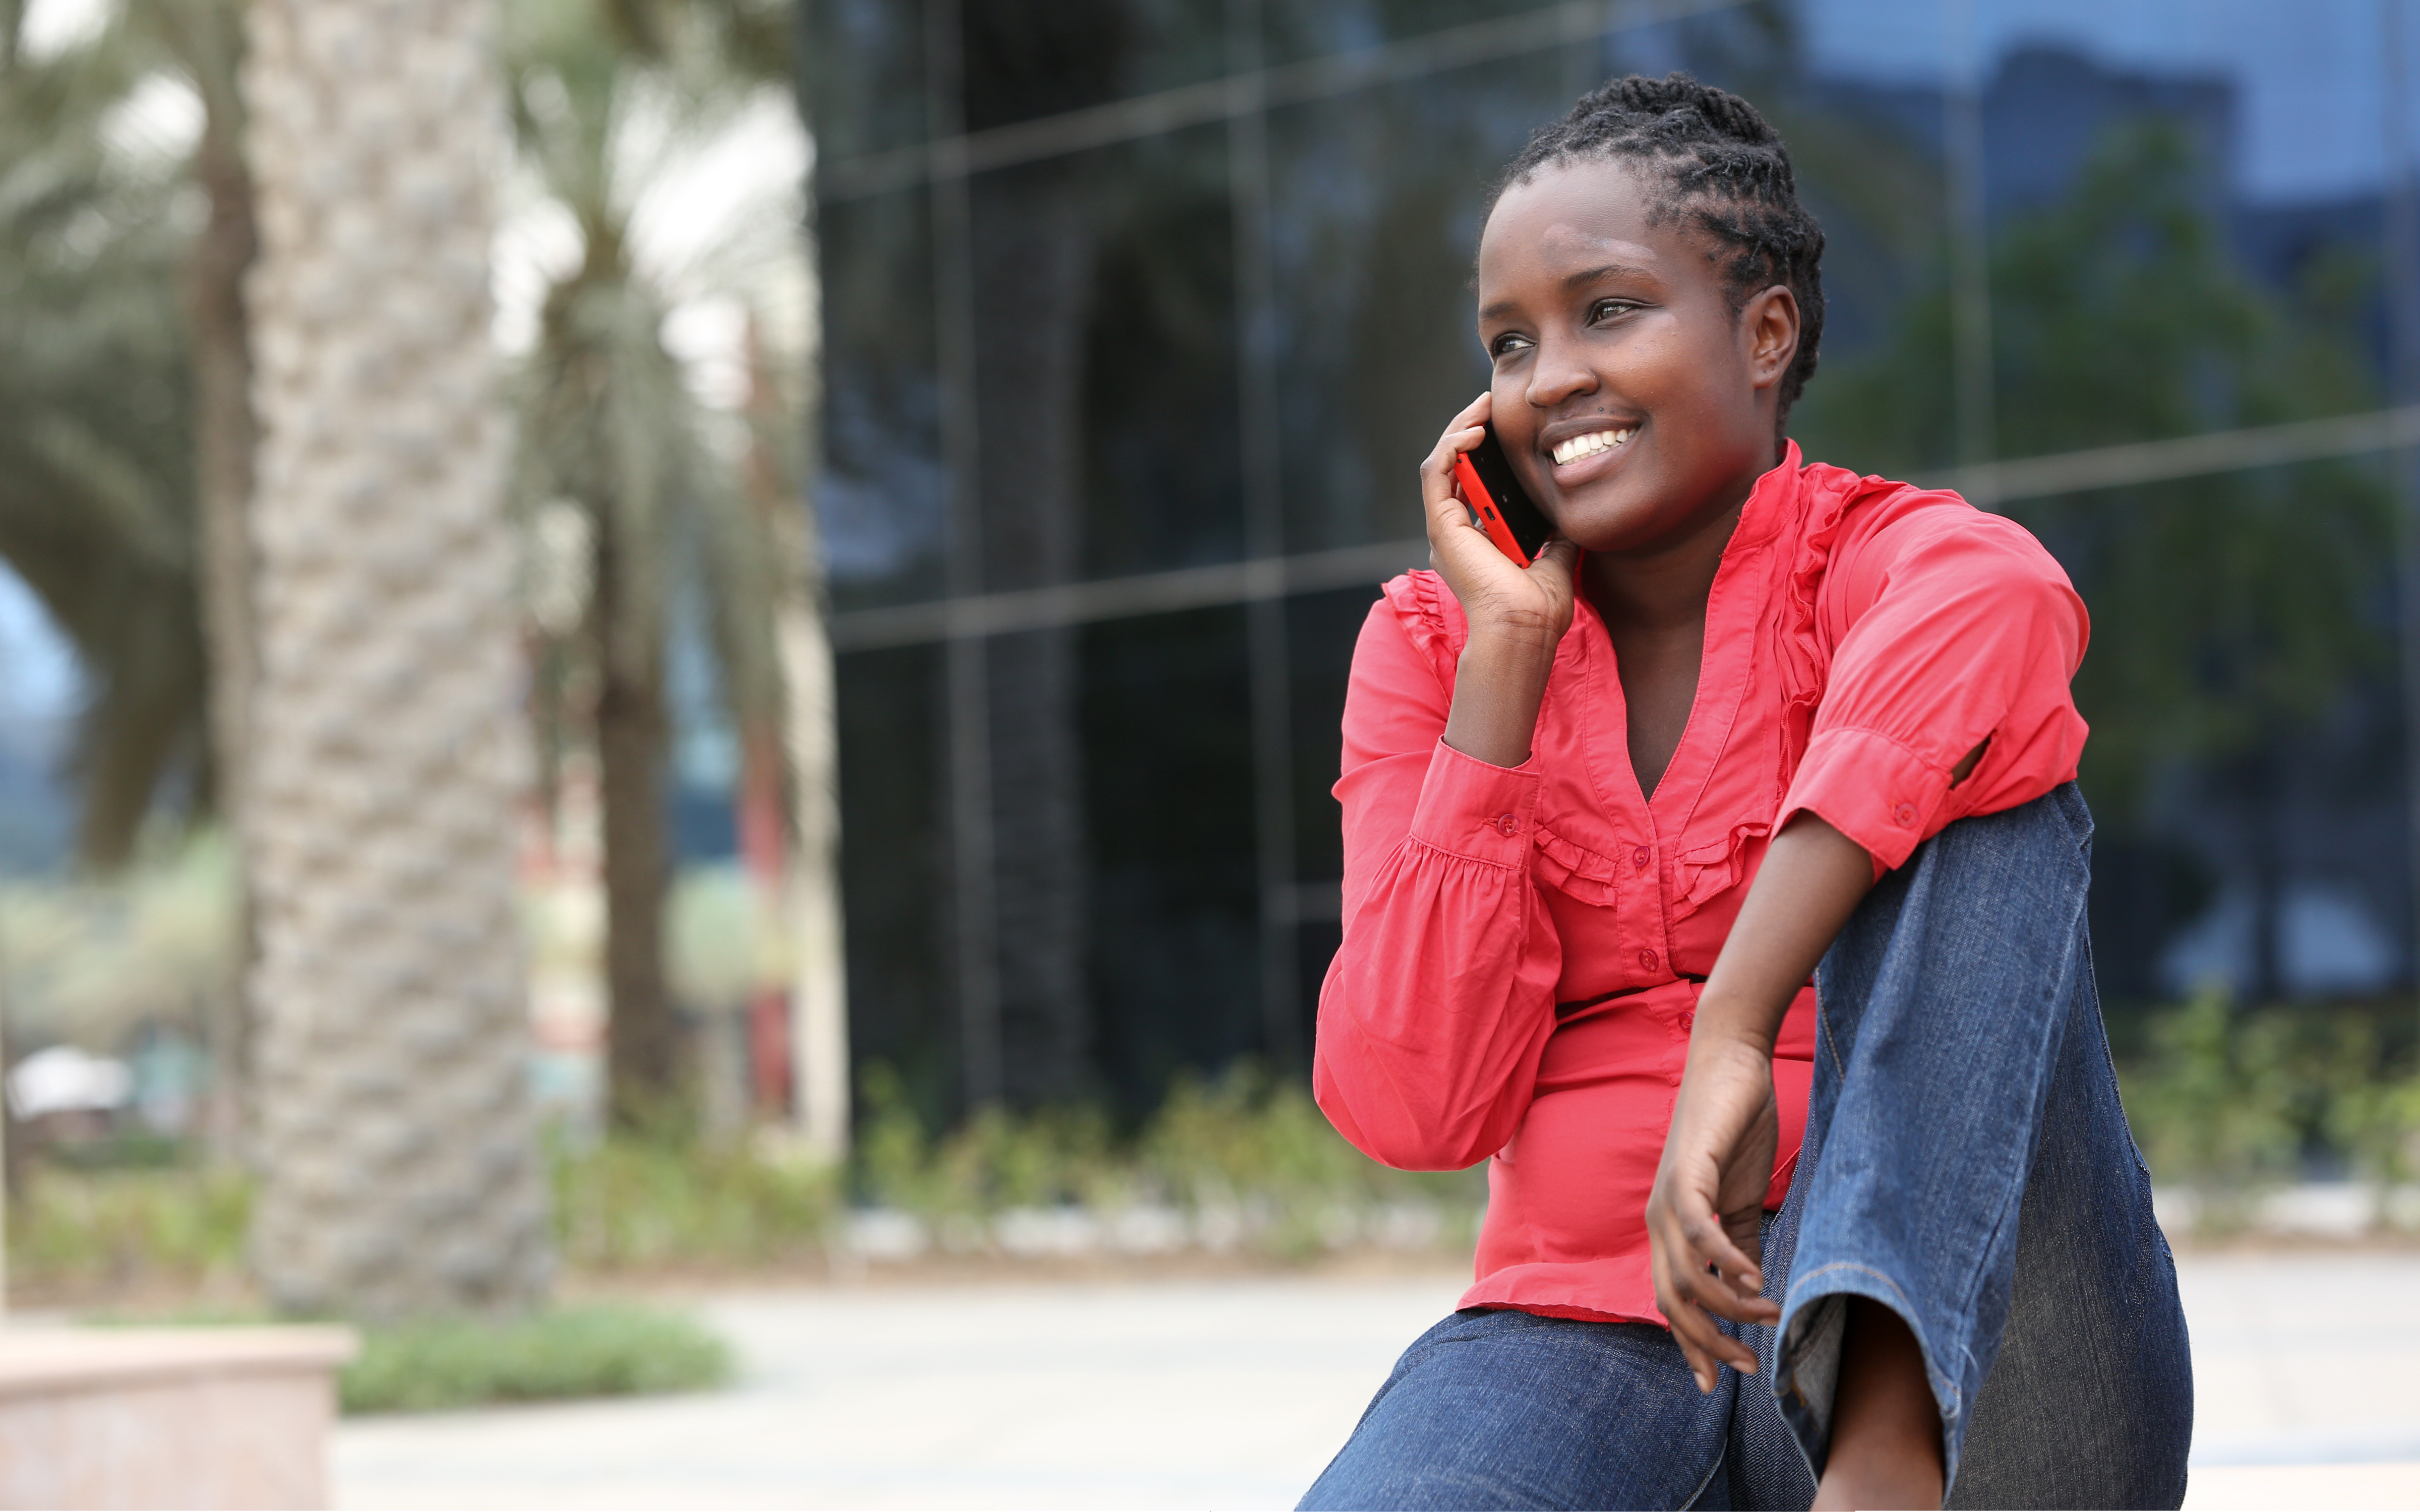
(1590, 444)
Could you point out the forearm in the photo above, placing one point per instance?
(1812, 879)
(1498, 687)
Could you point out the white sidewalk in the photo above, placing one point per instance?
(1234, 1393)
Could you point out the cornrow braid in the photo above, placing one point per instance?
(1722, 167)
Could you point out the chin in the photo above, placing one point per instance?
(1616, 524)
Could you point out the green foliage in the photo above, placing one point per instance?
(96, 401)
(2230, 1102)
(1245, 1152)
(2369, 1108)
(1263, 1146)
(128, 1227)
(89, 960)
(2213, 1107)
(599, 1350)
(655, 1199)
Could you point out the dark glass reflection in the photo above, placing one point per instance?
(2155, 269)
(1174, 941)
(896, 867)
(1105, 347)
(884, 491)
(864, 67)
(1026, 59)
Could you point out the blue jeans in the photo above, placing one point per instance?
(1966, 1165)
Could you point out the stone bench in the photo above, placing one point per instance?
(189, 1417)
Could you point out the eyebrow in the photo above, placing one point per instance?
(1570, 280)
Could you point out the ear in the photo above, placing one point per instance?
(1769, 333)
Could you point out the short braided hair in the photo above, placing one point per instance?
(1722, 167)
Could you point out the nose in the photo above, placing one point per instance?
(1561, 372)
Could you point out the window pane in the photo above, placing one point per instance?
(884, 491)
(1026, 59)
(865, 75)
(1175, 943)
(896, 870)
(1105, 363)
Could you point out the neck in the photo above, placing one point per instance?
(1665, 586)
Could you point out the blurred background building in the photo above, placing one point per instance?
(1140, 314)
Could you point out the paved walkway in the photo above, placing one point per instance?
(1234, 1393)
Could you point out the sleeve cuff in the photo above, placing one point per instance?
(1473, 809)
(1869, 788)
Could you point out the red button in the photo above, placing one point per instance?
(1641, 857)
(1688, 1019)
(1647, 959)
(1904, 813)
(1510, 823)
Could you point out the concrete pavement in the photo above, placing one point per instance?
(1233, 1393)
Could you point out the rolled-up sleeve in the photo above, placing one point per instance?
(1439, 1001)
(1954, 627)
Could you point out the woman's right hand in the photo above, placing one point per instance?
(1517, 614)
(1497, 595)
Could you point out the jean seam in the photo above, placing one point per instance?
(1722, 1454)
(1945, 1386)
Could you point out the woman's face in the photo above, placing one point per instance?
(1633, 401)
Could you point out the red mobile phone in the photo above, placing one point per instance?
(1506, 512)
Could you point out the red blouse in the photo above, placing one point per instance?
(1524, 947)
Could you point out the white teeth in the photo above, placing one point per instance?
(1589, 444)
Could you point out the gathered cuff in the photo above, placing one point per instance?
(1871, 789)
(1476, 810)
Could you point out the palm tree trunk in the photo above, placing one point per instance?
(810, 743)
(643, 1041)
(379, 803)
(224, 435)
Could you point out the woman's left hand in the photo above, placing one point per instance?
(1704, 1215)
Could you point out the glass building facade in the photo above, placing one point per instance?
(1141, 314)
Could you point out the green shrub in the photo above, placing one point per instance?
(603, 1350)
(1245, 1149)
(2212, 1104)
(657, 1200)
(124, 1226)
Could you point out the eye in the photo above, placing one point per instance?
(1606, 309)
(1511, 341)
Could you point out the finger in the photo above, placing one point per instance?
(1556, 560)
(1438, 486)
(1716, 1294)
(1452, 531)
(1706, 1346)
(1706, 1298)
(1682, 1299)
(1714, 1275)
(1710, 1243)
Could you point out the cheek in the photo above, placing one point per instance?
(1516, 423)
(1662, 366)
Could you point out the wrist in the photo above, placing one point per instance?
(1518, 636)
(1498, 686)
(1726, 1029)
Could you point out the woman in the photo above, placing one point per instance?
(1604, 817)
